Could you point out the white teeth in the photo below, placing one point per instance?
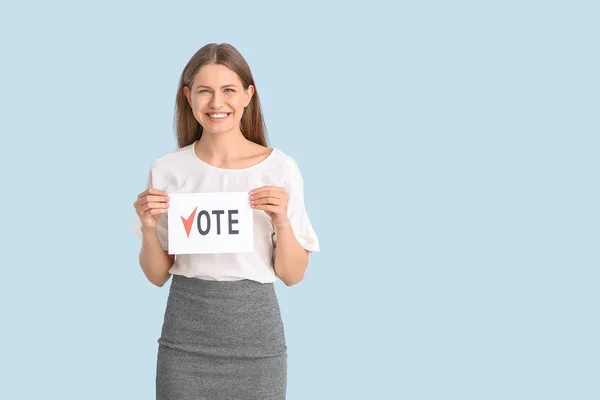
(218, 115)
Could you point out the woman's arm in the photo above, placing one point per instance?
(155, 261)
(291, 259)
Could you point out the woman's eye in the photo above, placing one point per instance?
(206, 90)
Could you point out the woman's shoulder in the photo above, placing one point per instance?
(172, 157)
(284, 160)
(285, 166)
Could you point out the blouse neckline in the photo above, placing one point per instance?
(263, 161)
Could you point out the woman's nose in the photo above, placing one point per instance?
(215, 100)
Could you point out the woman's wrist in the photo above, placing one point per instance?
(146, 229)
(283, 225)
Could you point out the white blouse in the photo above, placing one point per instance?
(181, 171)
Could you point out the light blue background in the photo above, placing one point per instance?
(450, 156)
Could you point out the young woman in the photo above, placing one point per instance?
(223, 336)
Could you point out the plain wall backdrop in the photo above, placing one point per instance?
(450, 154)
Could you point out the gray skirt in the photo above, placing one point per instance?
(221, 340)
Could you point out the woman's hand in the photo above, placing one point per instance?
(150, 204)
(274, 201)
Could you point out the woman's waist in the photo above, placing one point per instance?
(224, 267)
(224, 297)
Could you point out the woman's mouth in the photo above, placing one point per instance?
(217, 117)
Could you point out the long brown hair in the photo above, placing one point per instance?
(187, 127)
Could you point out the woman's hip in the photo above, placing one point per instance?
(223, 318)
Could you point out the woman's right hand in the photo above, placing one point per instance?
(150, 204)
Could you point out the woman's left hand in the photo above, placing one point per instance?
(274, 201)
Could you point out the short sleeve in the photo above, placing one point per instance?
(297, 214)
(162, 222)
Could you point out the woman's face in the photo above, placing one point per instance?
(218, 98)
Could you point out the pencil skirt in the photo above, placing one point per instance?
(221, 340)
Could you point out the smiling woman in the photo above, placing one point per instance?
(223, 335)
(219, 107)
(222, 85)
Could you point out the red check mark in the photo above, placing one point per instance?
(187, 223)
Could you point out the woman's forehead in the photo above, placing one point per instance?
(216, 75)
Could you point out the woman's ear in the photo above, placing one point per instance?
(186, 93)
(249, 94)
